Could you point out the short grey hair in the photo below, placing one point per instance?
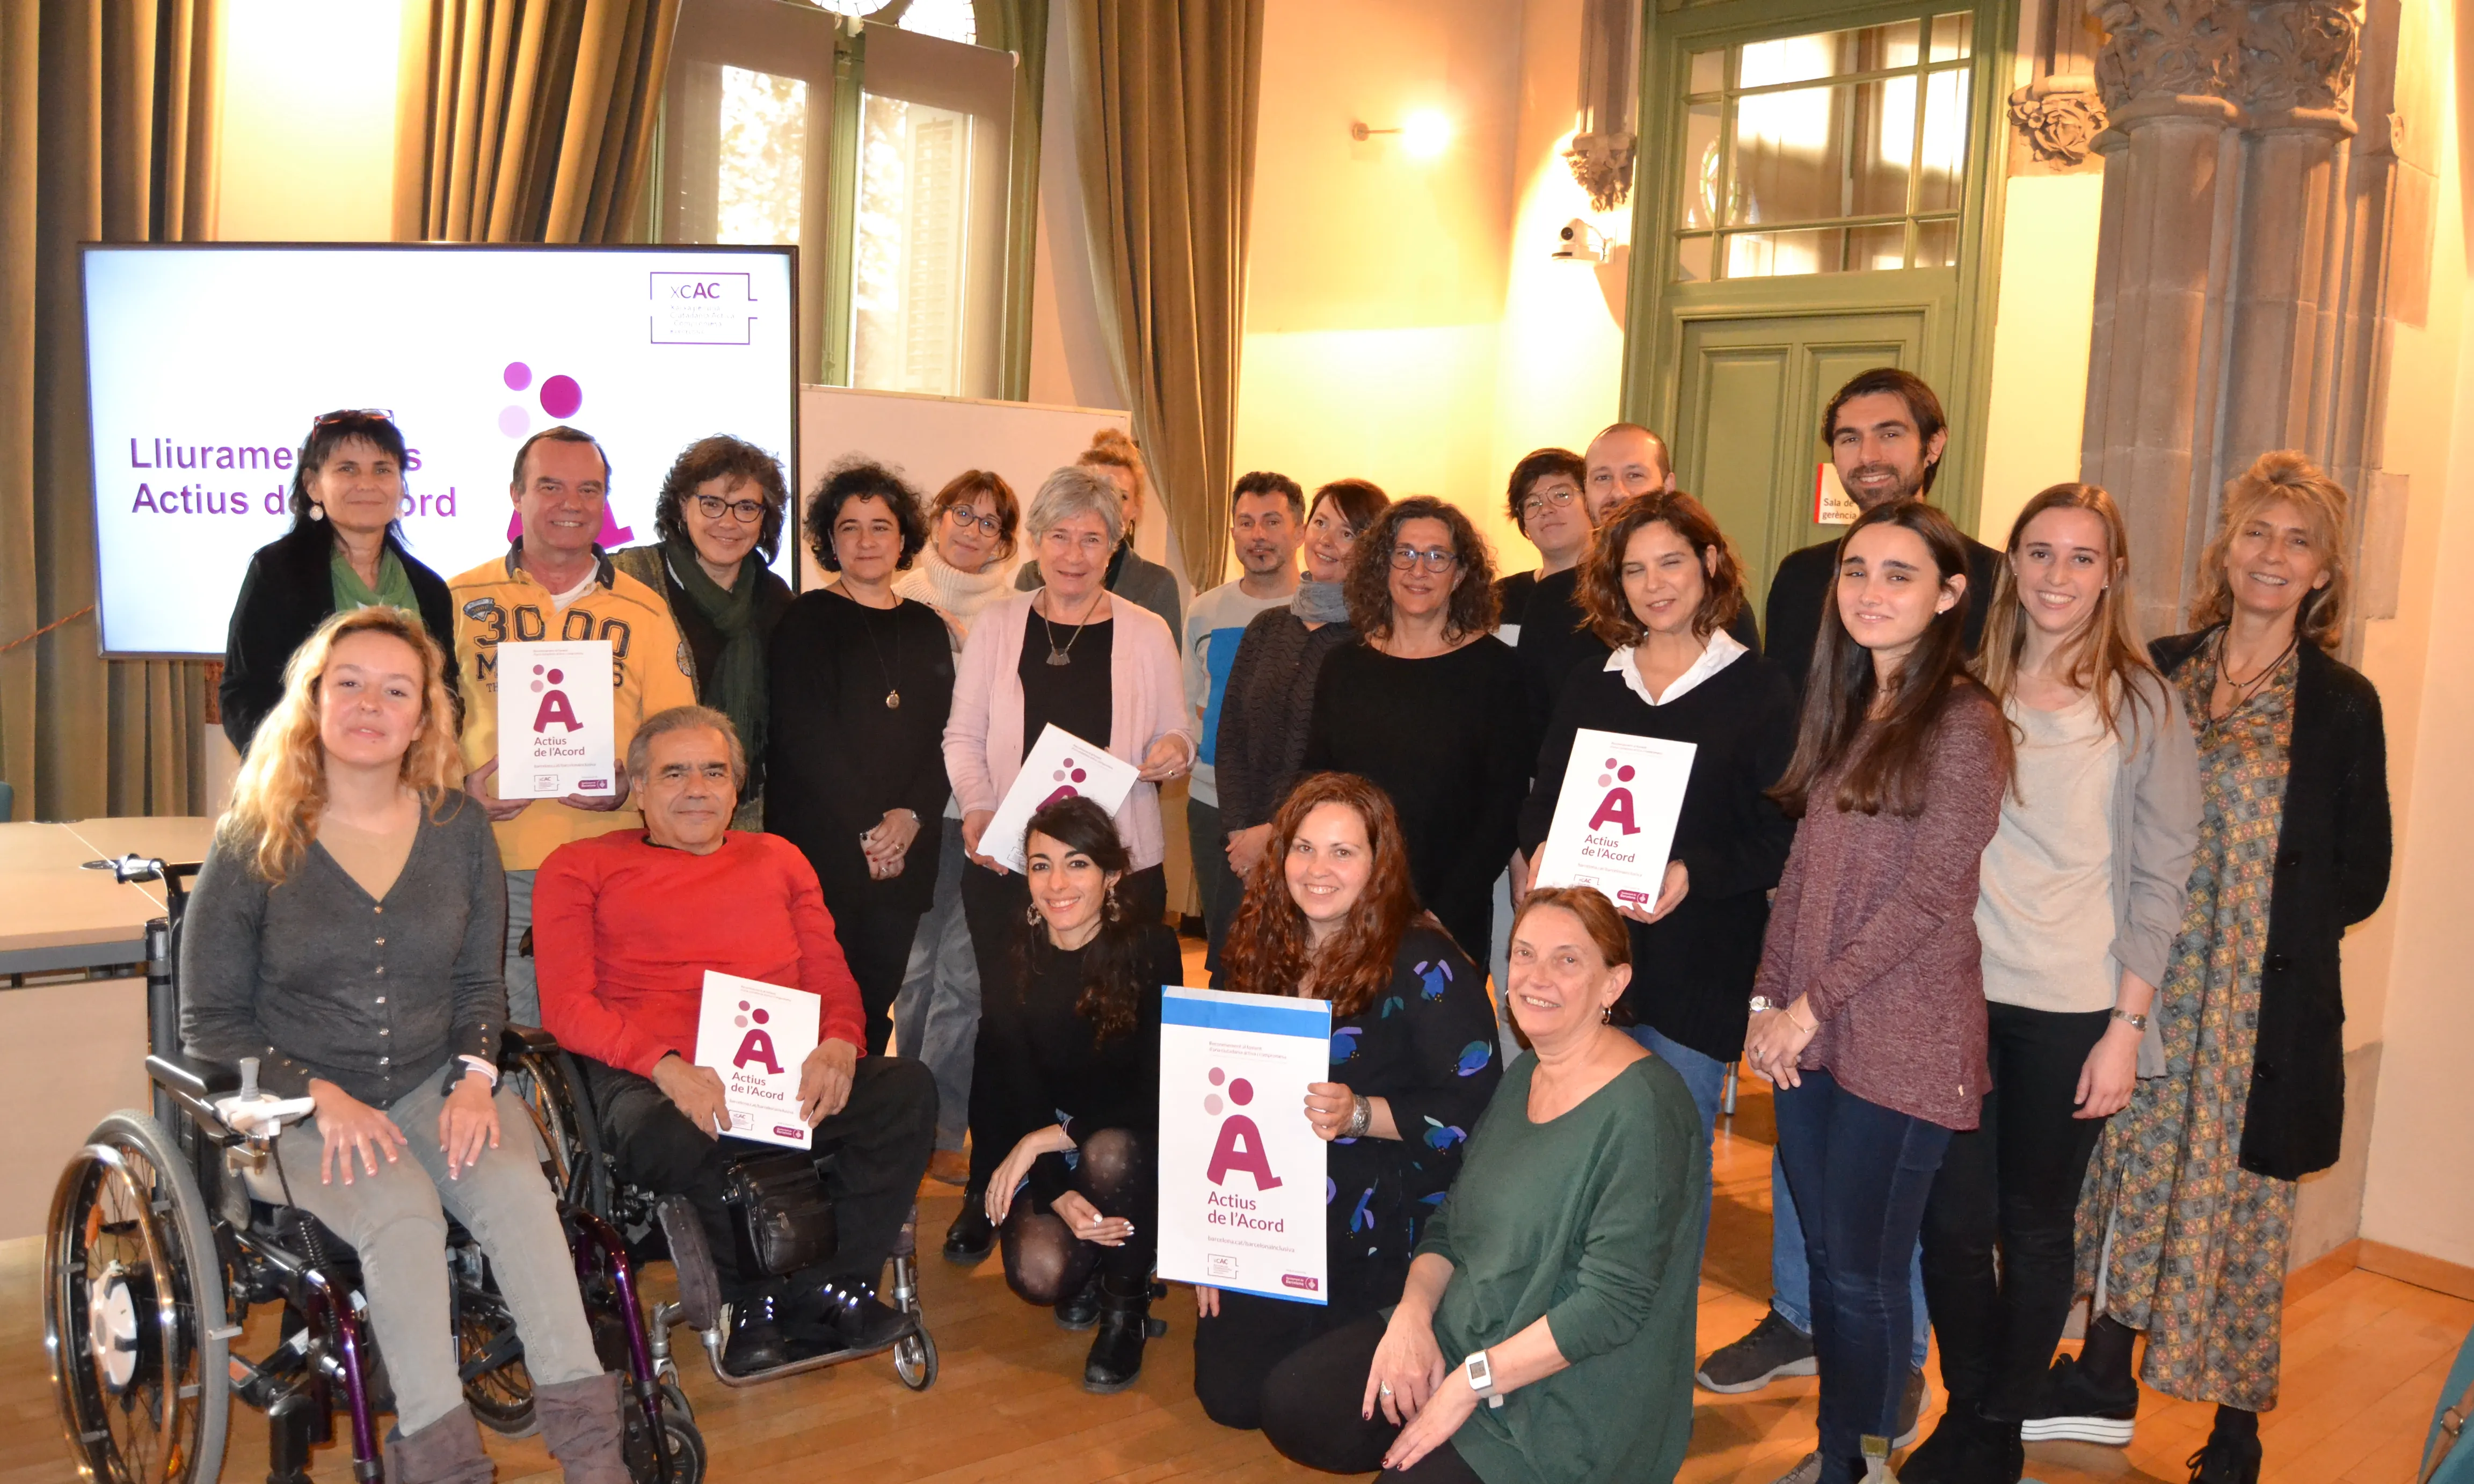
(1072, 491)
(684, 718)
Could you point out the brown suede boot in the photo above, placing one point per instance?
(581, 1422)
(447, 1452)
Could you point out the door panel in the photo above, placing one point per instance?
(1749, 403)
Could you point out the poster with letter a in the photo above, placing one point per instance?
(555, 727)
(758, 1036)
(1614, 821)
(1058, 766)
(1242, 1189)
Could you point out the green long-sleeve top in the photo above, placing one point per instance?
(1588, 1219)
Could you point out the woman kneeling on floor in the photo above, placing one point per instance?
(1563, 1267)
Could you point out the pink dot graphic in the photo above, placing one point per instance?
(1212, 1104)
(537, 670)
(518, 376)
(1605, 779)
(561, 396)
(1218, 1077)
(537, 688)
(761, 1018)
(1241, 1092)
(1624, 772)
(514, 421)
(555, 677)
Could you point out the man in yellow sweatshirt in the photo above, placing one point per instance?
(555, 583)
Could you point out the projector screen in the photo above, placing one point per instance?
(206, 365)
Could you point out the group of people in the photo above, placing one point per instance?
(2033, 926)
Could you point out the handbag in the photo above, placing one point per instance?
(786, 1222)
(2447, 1458)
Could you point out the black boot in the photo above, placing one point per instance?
(1079, 1309)
(2231, 1456)
(756, 1341)
(972, 1235)
(1125, 1323)
(1967, 1448)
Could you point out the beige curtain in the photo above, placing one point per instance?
(1019, 27)
(107, 132)
(1164, 98)
(528, 120)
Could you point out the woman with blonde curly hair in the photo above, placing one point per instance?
(2187, 1217)
(1113, 458)
(346, 931)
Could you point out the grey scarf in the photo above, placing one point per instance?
(1319, 602)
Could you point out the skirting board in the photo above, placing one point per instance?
(2437, 1273)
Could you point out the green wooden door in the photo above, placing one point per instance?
(1815, 196)
(1749, 398)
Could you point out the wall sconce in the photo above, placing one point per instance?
(1424, 133)
(1602, 148)
(1579, 242)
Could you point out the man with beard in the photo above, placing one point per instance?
(1886, 433)
(1267, 524)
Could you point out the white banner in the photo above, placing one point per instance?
(555, 735)
(1058, 766)
(1243, 1196)
(1614, 821)
(758, 1036)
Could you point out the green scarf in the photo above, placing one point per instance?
(394, 588)
(737, 686)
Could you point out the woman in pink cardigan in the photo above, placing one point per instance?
(1105, 671)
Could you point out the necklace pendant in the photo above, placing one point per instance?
(1057, 656)
(893, 700)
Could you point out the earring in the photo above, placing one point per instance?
(1605, 1014)
(1112, 910)
(316, 512)
(1031, 915)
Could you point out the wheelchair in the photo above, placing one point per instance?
(157, 1251)
(782, 1219)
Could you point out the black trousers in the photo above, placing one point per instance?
(1311, 1411)
(872, 1155)
(2011, 1185)
(1044, 1261)
(994, 906)
(876, 942)
(1236, 1350)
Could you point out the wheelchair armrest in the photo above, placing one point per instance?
(197, 1077)
(520, 1039)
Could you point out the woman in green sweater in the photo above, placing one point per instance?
(1546, 1336)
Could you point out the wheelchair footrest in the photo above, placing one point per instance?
(691, 1256)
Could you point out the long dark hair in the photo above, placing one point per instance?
(1889, 769)
(1367, 588)
(1267, 953)
(711, 458)
(330, 432)
(1111, 962)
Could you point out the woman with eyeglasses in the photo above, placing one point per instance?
(722, 501)
(1115, 460)
(967, 563)
(861, 680)
(1544, 499)
(1427, 706)
(345, 550)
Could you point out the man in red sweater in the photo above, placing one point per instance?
(625, 926)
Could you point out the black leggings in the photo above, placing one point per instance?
(1044, 1261)
(2012, 1182)
(1311, 1411)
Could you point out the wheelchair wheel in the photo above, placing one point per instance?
(553, 1093)
(133, 1315)
(488, 1354)
(914, 1360)
(685, 1445)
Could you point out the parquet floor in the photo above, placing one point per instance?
(2363, 1359)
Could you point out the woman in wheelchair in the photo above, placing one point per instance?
(1081, 1024)
(353, 894)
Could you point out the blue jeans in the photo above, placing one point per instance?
(1864, 1173)
(1791, 1277)
(524, 986)
(936, 1015)
(1705, 1076)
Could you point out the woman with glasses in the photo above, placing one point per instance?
(1545, 499)
(1427, 706)
(1270, 699)
(722, 501)
(345, 550)
(967, 563)
(861, 680)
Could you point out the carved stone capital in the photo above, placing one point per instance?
(1601, 162)
(2300, 55)
(2271, 55)
(2061, 117)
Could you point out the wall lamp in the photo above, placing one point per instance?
(1424, 133)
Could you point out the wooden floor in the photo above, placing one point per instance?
(2363, 1359)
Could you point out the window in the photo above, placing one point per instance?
(1834, 152)
(878, 149)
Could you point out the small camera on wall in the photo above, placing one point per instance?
(1579, 242)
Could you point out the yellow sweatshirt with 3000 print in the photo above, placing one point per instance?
(498, 601)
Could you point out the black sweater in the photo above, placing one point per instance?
(1793, 619)
(289, 591)
(2332, 871)
(1265, 712)
(839, 757)
(1448, 739)
(1050, 1067)
(1692, 970)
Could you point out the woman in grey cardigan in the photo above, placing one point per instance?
(347, 932)
(2078, 898)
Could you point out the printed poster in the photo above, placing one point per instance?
(1058, 766)
(1243, 1193)
(1614, 821)
(554, 726)
(758, 1036)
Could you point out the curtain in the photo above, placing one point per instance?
(107, 132)
(1165, 95)
(1019, 27)
(528, 120)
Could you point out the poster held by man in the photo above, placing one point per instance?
(555, 736)
(1614, 821)
(1242, 1183)
(757, 1036)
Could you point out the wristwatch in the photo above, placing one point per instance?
(2138, 1023)
(1481, 1377)
(1762, 1002)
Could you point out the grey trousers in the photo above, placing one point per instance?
(396, 1221)
(936, 1015)
(524, 989)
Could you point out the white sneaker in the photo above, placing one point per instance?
(1807, 1472)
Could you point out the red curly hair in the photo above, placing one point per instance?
(1267, 953)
